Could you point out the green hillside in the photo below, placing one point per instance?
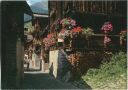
(111, 75)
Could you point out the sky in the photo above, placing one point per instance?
(30, 2)
(41, 8)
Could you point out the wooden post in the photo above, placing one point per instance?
(102, 6)
(83, 6)
(106, 7)
(87, 6)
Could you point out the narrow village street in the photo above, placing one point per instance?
(41, 80)
(73, 44)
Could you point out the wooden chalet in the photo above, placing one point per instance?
(85, 54)
(93, 14)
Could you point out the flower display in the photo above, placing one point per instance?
(107, 27)
(76, 30)
(63, 34)
(107, 40)
(69, 27)
(50, 40)
(68, 21)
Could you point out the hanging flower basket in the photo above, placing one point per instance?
(50, 40)
(107, 27)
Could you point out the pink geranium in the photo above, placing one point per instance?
(49, 40)
(107, 40)
(107, 27)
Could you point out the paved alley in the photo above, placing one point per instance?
(39, 80)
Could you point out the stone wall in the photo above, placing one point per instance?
(53, 60)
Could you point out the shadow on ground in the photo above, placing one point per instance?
(45, 81)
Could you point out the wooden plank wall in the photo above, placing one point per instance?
(95, 13)
(89, 12)
(104, 7)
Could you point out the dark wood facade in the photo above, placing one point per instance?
(12, 37)
(93, 14)
(117, 8)
(90, 53)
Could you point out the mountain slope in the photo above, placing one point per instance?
(40, 7)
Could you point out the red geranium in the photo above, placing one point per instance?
(77, 29)
(50, 35)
